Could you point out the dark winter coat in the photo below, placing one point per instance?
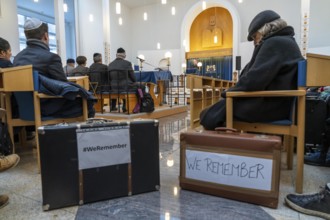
(45, 62)
(121, 70)
(273, 66)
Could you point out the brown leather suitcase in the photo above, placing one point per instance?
(238, 166)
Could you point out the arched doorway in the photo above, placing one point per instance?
(194, 12)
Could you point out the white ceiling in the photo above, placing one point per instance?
(139, 3)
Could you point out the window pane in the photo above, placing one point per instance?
(52, 39)
(51, 28)
(21, 33)
(20, 20)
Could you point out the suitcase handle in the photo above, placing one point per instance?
(97, 120)
(224, 129)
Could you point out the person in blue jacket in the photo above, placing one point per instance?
(273, 66)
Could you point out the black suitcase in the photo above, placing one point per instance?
(65, 184)
(315, 117)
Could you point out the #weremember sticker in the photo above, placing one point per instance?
(103, 146)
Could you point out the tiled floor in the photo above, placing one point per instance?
(23, 185)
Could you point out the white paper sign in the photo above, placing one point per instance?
(103, 146)
(227, 169)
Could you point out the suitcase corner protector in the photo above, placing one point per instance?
(45, 207)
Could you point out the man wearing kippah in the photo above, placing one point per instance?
(115, 76)
(37, 51)
(49, 64)
(273, 66)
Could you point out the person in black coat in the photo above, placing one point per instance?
(273, 66)
(117, 68)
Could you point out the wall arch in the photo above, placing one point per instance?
(192, 14)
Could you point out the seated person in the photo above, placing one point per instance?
(81, 69)
(69, 66)
(5, 54)
(273, 66)
(118, 80)
(98, 72)
(49, 65)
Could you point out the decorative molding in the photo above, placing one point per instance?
(210, 53)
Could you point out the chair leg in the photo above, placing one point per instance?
(289, 146)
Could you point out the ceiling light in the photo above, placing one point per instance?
(145, 16)
(118, 8)
(204, 5)
(240, 1)
(91, 17)
(120, 21)
(36, 0)
(163, 2)
(158, 46)
(173, 10)
(65, 7)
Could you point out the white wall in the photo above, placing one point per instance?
(90, 32)
(121, 35)
(319, 24)
(8, 24)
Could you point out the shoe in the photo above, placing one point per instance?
(7, 162)
(113, 109)
(316, 204)
(3, 200)
(317, 159)
(124, 110)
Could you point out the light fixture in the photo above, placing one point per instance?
(173, 10)
(199, 64)
(141, 56)
(215, 39)
(163, 2)
(145, 16)
(170, 161)
(240, 1)
(65, 7)
(120, 21)
(91, 17)
(118, 8)
(168, 54)
(204, 5)
(36, 0)
(158, 46)
(184, 42)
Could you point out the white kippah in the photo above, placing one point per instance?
(32, 23)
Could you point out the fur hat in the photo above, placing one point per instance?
(260, 20)
(32, 23)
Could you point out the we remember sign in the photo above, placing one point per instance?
(103, 146)
(227, 169)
